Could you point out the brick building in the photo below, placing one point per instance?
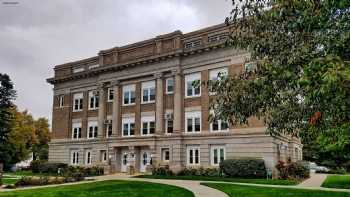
(135, 105)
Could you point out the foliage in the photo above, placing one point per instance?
(244, 168)
(210, 172)
(162, 171)
(301, 84)
(7, 95)
(40, 166)
(293, 170)
(43, 180)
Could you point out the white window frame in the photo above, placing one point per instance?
(94, 125)
(218, 148)
(193, 148)
(109, 127)
(80, 99)
(128, 121)
(129, 89)
(166, 124)
(162, 151)
(110, 93)
(219, 125)
(148, 120)
(193, 44)
(104, 156)
(78, 70)
(60, 101)
(148, 86)
(167, 83)
(190, 78)
(76, 126)
(74, 157)
(213, 76)
(93, 95)
(88, 157)
(193, 115)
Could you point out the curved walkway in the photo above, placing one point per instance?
(315, 180)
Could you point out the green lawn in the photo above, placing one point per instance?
(7, 181)
(206, 178)
(24, 173)
(337, 181)
(244, 191)
(105, 189)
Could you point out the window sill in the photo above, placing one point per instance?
(169, 93)
(193, 132)
(219, 131)
(92, 109)
(148, 102)
(78, 110)
(194, 96)
(131, 104)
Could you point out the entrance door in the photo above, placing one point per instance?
(124, 163)
(145, 161)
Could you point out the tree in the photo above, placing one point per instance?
(7, 95)
(40, 148)
(301, 82)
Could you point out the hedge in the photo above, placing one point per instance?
(243, 168)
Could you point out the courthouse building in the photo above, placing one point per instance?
(136, 105)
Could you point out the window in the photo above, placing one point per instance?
(92, 129)
(103, 155)
(93, 100)
(76, 130)
(148, 92)
(192, 44)
(129, 95)
(193, 155)
(193, 90)
(77, 102)
(165, 154)
(169, 85)
(77, 70)
(217, 74)
(193, 121)
(148, 125)
(60, 101)
(169, 123)
(216, 38)
(128, 126)
(218, 154)
(93, 66)
(218, 125)
(74, 158)
(110, 95)
(88, 160)
(109, 129)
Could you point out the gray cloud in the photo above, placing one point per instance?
(35, 35)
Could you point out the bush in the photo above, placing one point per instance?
(213, 172)
(162, 171)
(243, 168)
(27, 180)
(39, 166)
(293, 170)
(11, 186)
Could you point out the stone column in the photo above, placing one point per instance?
(178, 101)
(101, 111)
(159, 104)
(116, 110)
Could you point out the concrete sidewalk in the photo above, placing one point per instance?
(315, 180)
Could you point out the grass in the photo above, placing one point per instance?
(240, 191)
(104, 189)
(24, 173)
(7, 181)
(337, 181)
(224, 179)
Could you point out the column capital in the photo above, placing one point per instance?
(101, 85)
(115, 83)
(158, 75)
(176, 72)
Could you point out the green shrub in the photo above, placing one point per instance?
(11, 186)
(243, 168)
(39, 166)
(293, 170)
(162, 171)
(213, 172)
(27, 180)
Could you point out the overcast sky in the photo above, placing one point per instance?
(35, 35)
